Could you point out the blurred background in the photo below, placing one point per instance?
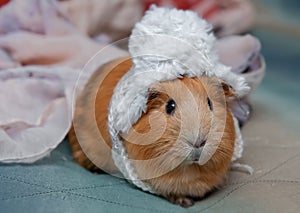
(278, 28)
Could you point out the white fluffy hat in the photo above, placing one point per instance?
(166, 44)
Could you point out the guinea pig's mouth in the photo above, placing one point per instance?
(194, 155)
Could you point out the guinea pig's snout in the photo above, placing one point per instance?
(196, 150)
(197, 144)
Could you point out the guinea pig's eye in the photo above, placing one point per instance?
(210, 104)
(170, 107)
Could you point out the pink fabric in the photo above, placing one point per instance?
(242, 53)
(43, 17)
(35, 111)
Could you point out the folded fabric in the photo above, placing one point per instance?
(35, 110)
(242, 54)
(55, 17)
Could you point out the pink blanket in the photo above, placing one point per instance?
(35, 111)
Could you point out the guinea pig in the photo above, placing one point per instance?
(185, 119)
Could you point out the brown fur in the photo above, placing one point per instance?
(159, 140)
(90, 118)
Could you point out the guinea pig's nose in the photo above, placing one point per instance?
(199, 143)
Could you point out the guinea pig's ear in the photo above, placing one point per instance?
(228, 90)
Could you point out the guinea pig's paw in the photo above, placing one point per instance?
(181, 200)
